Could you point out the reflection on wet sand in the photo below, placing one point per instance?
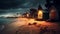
(30, 26)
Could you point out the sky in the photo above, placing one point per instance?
(18, 6)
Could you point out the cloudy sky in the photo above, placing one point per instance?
(14, 6)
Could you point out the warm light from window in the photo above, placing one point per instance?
(27, 15)
(40, 14)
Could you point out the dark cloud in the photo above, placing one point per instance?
(6, 4)
(14, 6)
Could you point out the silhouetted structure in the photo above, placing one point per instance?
(40, 12)
(53, 15)
(39, 7)
(33, 13)
(26, 14)
(55, 3)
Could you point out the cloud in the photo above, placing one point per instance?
(19, 10)
(7, 4)
(18, 6)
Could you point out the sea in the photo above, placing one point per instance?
(5, 21)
